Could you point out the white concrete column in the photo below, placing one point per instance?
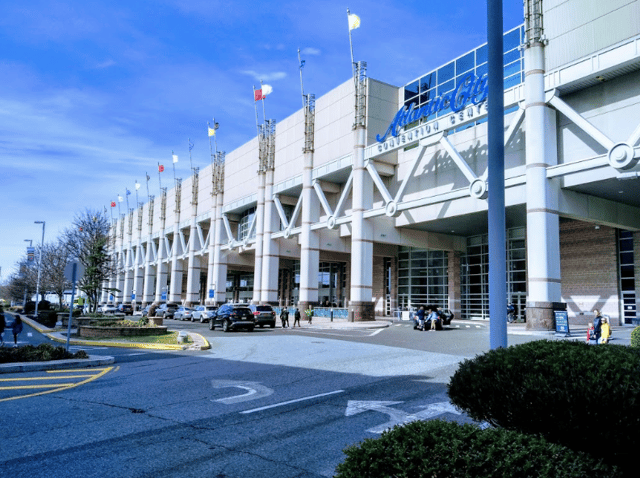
(257, 273)
(271, 250)
(161, 265)
(149, 269)
(138, 266)
(361, 306)
(175, 286)
(309, 240)
(211, 255)
(543, 236)
(193, 268)
(219, 258)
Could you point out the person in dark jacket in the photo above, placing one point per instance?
(284, 317)
(17, 328)
(597, 325)
(2, 326)
(420, 318)
(296, 318)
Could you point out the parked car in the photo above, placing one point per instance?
(107, 309)
(143, 312)
(203, 313)
(183, 313)
(232, 317)
(125, 309)
(167, 310)
(264, 314)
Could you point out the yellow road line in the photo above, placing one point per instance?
(104, 372)
(77, 370)
(24, 387)
(59, 377)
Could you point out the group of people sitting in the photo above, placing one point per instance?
(428, 318)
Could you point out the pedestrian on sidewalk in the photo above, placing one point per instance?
(284, 317)
(605, 331)
(17, 328)
(597, 325)
(591, 333)
(2, 325)
(420, 318)
(296, 318)
(309, 313)
(433, 319)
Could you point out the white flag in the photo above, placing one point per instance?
(266, 90)
(120, 199)
(175, 158)
(137, 185)
(354, 21)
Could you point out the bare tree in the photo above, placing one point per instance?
(87, 240)
(55, 256)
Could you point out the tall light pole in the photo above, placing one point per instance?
(39, 265)
(30, 241)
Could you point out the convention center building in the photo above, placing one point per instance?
(372, 199)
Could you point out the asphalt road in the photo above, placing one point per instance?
(272, 403)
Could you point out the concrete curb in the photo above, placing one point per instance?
(92, 361)
(199, 342)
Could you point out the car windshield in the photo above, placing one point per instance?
(264, 308)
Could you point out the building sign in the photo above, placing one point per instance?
(31, 251)
(467, 103)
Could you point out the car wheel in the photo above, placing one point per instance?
(201, 320)
(251, 329)
(261, 325)
(225, 326)
(211, 325)
(273, 326)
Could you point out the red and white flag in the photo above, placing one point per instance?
(262, 93)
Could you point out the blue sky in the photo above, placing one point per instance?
(93, 94)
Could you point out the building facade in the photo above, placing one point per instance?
(373, 197)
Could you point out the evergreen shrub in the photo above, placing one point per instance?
(582, 396)
(439, 449)
(41, 353)
(635, 337)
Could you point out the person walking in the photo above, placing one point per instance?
(420, 318)
(597, 325)
(309, 313)
(605, 331)
(17, 328)
(433, 319)
(284, 317)
(296, 318)
(2, 326)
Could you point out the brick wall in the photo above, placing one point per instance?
(588, 262)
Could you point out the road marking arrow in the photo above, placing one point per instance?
(396, 416)
(255, 390)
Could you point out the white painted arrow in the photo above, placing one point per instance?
(397, 417)
(255, 390)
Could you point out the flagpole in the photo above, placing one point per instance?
(264, 115)
(256, 107)
(353, 63)
(190, 148)
(148, 195)
(301, 63)
(173, 163)
(126, 196)
(137, 187)
(159, 178)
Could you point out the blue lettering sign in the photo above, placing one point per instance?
(470, 89)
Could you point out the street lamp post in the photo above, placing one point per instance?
(30, 241)
(39, 265)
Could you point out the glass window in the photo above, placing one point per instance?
(511, 81)
(427, 82)
(512, 69)
(426, 96)
(411, 90)
(511, 56)
(511, 40)
(446, 87)
(446, 73)
(465, 63)
(481, 55)
(481, 70)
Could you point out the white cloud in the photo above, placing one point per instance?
(276, 75)
(311, 51)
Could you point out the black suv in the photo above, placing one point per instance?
(232, 317)
(264, 314)
(167, 310)
(125, 309)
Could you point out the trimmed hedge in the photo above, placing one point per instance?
(438, 448)
(635, 337)
(41, 353)
(584, 397)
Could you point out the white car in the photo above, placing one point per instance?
(107, 309)
(203, 313)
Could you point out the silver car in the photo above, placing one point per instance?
(183, 313)
(203, 313)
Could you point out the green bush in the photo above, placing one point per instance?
(437, 448)
(635, 337)
(41, 353)
(584, 397)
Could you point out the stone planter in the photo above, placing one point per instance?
(93, 331)
(156, 320)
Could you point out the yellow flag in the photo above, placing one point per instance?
(212, 132)
(354, 21)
